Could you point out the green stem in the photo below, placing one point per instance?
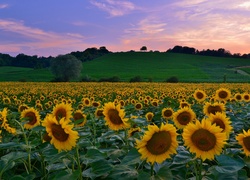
(94, 130)
(126, 138)
(152, 169)
(28, 149)
(200, 169)
(196, 170)
(78, 162)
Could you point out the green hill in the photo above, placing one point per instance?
(148, 65)
(161, 66)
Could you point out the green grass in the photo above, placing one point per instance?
(160, 66)
(10, 73)
(153, 65)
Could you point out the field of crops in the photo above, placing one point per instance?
(124, 131)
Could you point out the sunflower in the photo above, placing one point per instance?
(244, 140)
(79, 116)
(32, 116)
(158, 144)
(122, 103)
(61, 133)
(222, 94)
(246, 97)
(4, 122)
(149, 116)
(3, 117)
(39, 106)
(96, 104)
(184, 104)
(199, 95)
(238, 97)
(155, 102)
(204, 139)
(99, 112)
(138, 106)
(114, 116)
(167, 113)
(132, 131)
(210, 108)
(86, 101)
(22, 107)
(221, 120)
(183, 116)
(62, 110)
(6, 100)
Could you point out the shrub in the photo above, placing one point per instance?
(136, 79)
(172, 79)
(111, 79)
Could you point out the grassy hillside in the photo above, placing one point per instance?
(153, 65)
(10, 73)
(160, 66)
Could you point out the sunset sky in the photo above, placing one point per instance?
(53, 27)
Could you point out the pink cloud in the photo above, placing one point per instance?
(38, 41)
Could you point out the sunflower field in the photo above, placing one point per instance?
(124, 131)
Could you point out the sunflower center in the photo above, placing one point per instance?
(203, 139)
(99, 112)
(219, 123)
(246, 97)
(199, 95)
(31, 117)
(59, 133)
(184, 118)
(149, 117)
(60, 114)
(78, 116)
(138, 106)
(246, 141)
(114, 117)
(168, 113)
(159, 143)
(238, 97)
(222, 94)
(214, 109)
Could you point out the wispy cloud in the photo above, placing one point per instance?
(38, 41)
(197, 23)
(2, 6)
(115, 8)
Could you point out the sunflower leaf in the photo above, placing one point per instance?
(132, 157)
(124, 172)
(183, 156)
(228, 164)
(9, 145)
(94, 155)
(101, 167)
(164, 173)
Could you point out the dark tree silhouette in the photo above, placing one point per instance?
(66, 67)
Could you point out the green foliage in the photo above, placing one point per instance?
(66, 68)
(136, 79)
(148, 65)
(111, 79)
(172, 79)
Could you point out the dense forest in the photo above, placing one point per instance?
(22, 60)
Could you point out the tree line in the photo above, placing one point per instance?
(22, 60)
(221, 52)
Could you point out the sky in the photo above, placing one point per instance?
(53, 27)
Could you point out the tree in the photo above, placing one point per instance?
(66, 67)
(143, 48)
